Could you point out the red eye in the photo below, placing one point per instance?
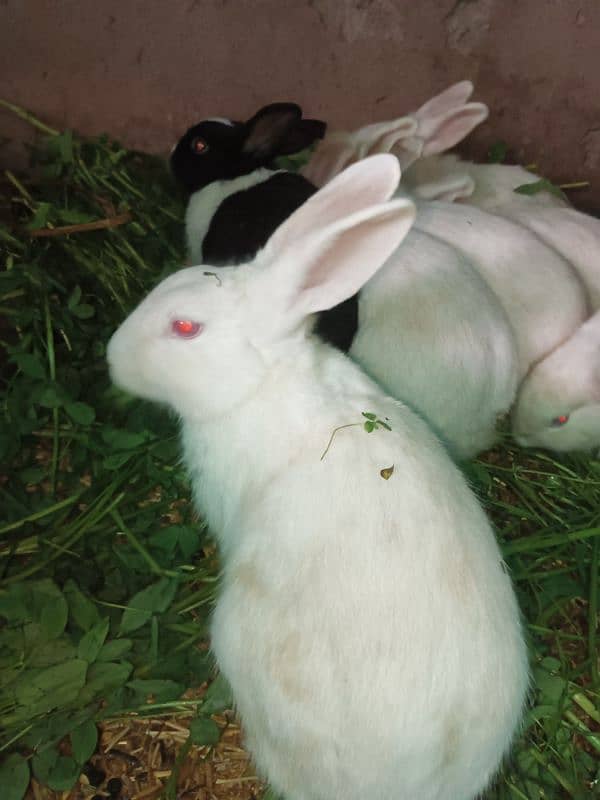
(558, 421)
(186, 328)
(198, 145)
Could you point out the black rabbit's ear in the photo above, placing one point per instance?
(302, 135)
(269, 127)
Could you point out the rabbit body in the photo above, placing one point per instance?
(542, 295)
(434, 334)
(367, 626)
(573, 234)
(558, 403)
(491, 187)
(370, 637)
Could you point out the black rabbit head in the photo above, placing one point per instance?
(218, 149)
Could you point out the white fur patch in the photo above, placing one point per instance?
(204, 203)
(222, 120)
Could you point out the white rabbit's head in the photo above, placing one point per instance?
(558, 405)
(202, 341)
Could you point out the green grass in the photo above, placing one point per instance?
(106, 578)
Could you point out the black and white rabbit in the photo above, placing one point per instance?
(238, 197)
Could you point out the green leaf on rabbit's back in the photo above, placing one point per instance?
(542, 185)
(14, 777)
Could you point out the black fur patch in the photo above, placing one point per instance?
(246, 220)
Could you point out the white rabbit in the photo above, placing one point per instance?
(518, 267)
(488, 186)
(438, 125)
(432, 333)
(542, 295)
(558, 406)
(575, 235)
(367, 626)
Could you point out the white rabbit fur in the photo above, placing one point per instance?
(438, 125)
(487, 186)
(433, 333)
(491, 187)
(368, 627)
(565, 384)
(567, 380)
(526, 275)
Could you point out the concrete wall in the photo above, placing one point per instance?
(143, 70)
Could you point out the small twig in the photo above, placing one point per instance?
(170, 790)
(214, 275)
(55, 419)
(333, 433)
(372, 423)
(137, 545)
(43, 513)
(593, 610)
(19, 186)
(28, 117)
(99, 224)
(575, 185)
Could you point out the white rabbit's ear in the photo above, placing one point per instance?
(444, 132)
(331, 156)
(382, 136)
(449, 188)
(450, 99)
(339, 150)
(328, 249)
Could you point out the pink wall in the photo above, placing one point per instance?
(145, 69)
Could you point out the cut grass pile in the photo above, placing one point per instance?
(106, 576)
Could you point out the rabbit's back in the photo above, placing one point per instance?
(576, 236)
(539, 290)
(433, 333)
(372, 639)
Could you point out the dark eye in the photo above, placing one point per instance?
(198, 146)
(558, 422)
(186, 328)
